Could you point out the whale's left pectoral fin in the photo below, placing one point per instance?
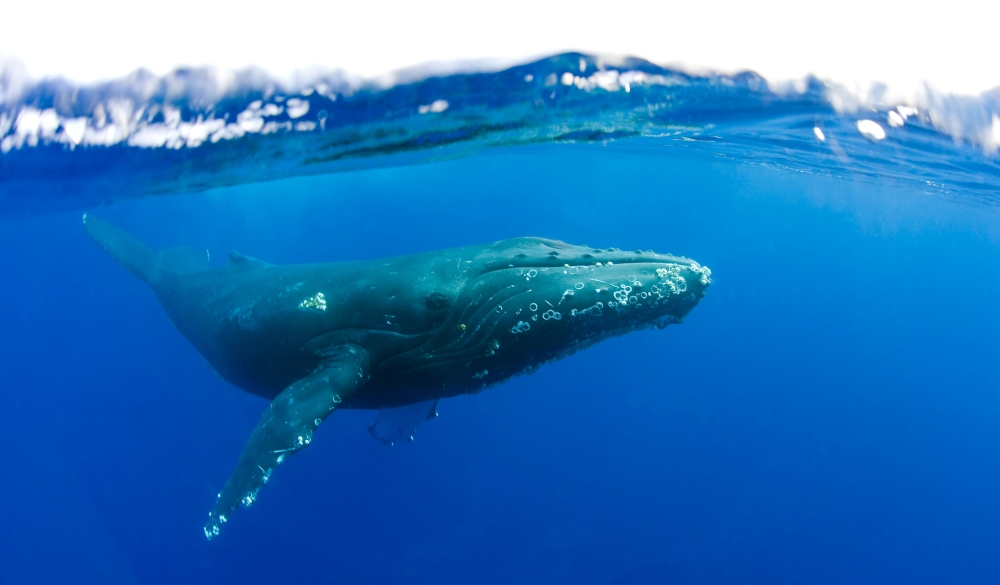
(287, 426)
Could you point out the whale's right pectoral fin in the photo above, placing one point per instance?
(398, 424)
(287, 426)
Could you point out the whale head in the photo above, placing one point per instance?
(522, 302)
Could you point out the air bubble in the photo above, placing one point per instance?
(578, 285)
(532, 273)
(533, 306)
(534, 317)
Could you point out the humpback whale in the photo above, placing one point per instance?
(394, 334)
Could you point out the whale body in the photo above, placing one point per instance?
(395, 334)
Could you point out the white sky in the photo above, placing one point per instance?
(951, 44)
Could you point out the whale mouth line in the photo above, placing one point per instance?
(615, 263)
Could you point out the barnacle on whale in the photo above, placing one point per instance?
(314, 302)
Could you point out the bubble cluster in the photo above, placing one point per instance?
(521, 327)
(550, 314)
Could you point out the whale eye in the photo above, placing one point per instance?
(436, 301)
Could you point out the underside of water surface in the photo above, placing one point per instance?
(65, 146)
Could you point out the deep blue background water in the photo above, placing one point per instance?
(827, 414)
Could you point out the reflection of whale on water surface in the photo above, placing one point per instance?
(395, 333)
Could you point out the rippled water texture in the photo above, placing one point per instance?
(70, 147)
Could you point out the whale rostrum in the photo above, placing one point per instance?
(394, 334)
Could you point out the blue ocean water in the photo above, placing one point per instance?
(827, 414)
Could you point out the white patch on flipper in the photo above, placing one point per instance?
(396, 424)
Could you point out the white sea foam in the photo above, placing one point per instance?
(967, 118)
(319, 121)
